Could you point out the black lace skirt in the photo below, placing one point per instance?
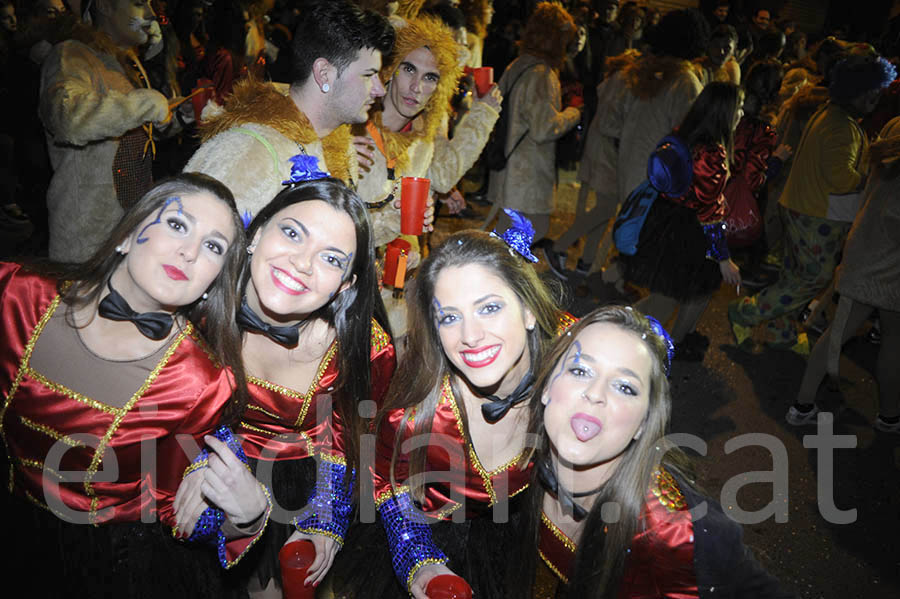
(482, 551)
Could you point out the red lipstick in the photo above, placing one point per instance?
(174, 273)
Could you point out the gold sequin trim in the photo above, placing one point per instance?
(310, 393)
(325, 533)
(424, 562)
(553, 568)
(262, 410)
(39, 465)
(447, 393)
(194, 466)
(667, 491)
(53, 434)
(117, 421)
(261, 530)
(310, 448)
(385, 495)
(564, 323)
(559, 534)
(71, 394)
(333, 459)
(380, 339)
(26, 357)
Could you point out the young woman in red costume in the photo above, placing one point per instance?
(317, 357)
(615, 516)
(682, 254)
(451, 441)
(109, 389)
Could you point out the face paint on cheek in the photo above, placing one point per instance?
(140, 237)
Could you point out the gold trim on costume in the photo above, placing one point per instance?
(50, 432)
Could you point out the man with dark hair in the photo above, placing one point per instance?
(337, 53)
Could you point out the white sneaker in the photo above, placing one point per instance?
(797, 417)
(885, 427)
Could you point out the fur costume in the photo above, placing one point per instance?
(93, 105)
(661, 90)
(424, 150)
(248, 147)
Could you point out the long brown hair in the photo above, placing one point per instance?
(416, 386)
(351, 311)
(82, 284)
(602, 547)
(710, 119)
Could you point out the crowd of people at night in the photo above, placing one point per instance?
(226, 333)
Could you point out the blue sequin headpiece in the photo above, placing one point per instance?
(519, 235)
(304, 168)
(661, 332)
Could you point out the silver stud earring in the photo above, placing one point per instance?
(204, 296)
(326, 88)
(120, 250)
(250, 251)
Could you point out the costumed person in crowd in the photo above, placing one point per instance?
(337, 50)
(719, 64)
(536, 120)
(804, 91)
(756, 160)
(479, 14)
(866, 280)
(407, 135)
(662, 84)
(818, 205)
(682, 253)
(597, 172)
(109, 388)
(479, 320)
(601, 408)
(100, 116)
(315, 348)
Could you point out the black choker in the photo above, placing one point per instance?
(155, 325)
(566, 499)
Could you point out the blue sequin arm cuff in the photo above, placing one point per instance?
(718, 244)
(208, 528)
(409, 537)
(331, 501)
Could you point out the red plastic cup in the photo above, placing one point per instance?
(448, 586)
(484, 79)
(296, 558)
(413, 201)
(199, 101)
(392, 254)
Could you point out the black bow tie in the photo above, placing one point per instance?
(155, 325)
(249, 320)
(497, 408)
(548, 480)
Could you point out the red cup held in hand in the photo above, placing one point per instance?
(413, 202)
(296, 558)
(448, 586)
(484, 79)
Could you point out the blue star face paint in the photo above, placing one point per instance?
(438, 312)
(574, 354)
(141, 238)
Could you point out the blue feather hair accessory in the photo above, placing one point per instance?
(305, 168)
(519, 235)
(663, 334)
